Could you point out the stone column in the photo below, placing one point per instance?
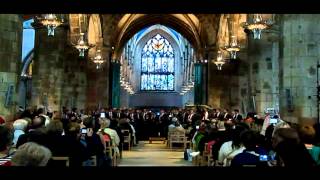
(49, 71)
(263, 60)
(299, 55)
(11, 26)
(115, 69)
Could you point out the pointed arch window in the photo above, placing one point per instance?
(157, 65)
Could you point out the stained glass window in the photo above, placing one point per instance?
(27, 38)
(157, 65)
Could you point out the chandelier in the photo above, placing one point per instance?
(51, 22)
(257, 26)
(233, 47)
(219, 62)
(98, 60)
(82, 45)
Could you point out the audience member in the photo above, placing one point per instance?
(31, 154)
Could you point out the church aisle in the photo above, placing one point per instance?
(155, 154)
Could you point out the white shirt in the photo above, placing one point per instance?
(113, 135)
(226, 153)
(17, 134)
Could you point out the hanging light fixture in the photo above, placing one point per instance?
(232, 47)
(98, 60)
(257, 25)
(51, 22)
(219, 62)
(82, 45)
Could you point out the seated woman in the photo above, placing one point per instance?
(251, 154)
(231, 148)
(31, 154)
(307, 135)
(19, 126)
(289, 149)
(115, 139)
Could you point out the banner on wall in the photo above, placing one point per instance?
(115, 85)
(9, 96)
(198, 84)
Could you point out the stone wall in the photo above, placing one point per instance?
(10, 55)
(299, 55)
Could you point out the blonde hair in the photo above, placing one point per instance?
(20, 124)
(104, 123)
(31, 154)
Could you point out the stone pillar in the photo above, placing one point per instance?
(115, 69)
(263, 60)
(49, 71)
(198, 84)
(11, 26)
(98, 82)
(299, 55)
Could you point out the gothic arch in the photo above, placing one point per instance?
(134, 23)
(177, 55)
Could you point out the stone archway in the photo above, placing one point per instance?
(133, 23)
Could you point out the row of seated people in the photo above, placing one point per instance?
(239, 145)
(78, 140)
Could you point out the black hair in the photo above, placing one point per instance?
(249, 139)
(6, 137)
(239, 128)
(294, 154)
(88, 122)
(40, 111)
(41, 124)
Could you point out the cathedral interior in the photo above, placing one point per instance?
(207, 81)
(276, 68)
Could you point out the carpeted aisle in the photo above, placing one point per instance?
(155, 154)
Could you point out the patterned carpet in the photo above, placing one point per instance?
(155, 154)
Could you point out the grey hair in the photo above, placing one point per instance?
(106, 122)
(20, 124)
(31, 154)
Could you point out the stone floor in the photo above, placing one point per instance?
(155, 154)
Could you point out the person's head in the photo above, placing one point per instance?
(307, 134)
(236, 111)
(55, 128)
(31, 154)
(38, 122)
(40, 111)
(235, 134)
(293, 154)
(104, 123)
(88, 122)
(249, 139)
(285, 134)
(73, 129)
(6, 137)
(174, 120)
(20, 124)
(177, 124)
